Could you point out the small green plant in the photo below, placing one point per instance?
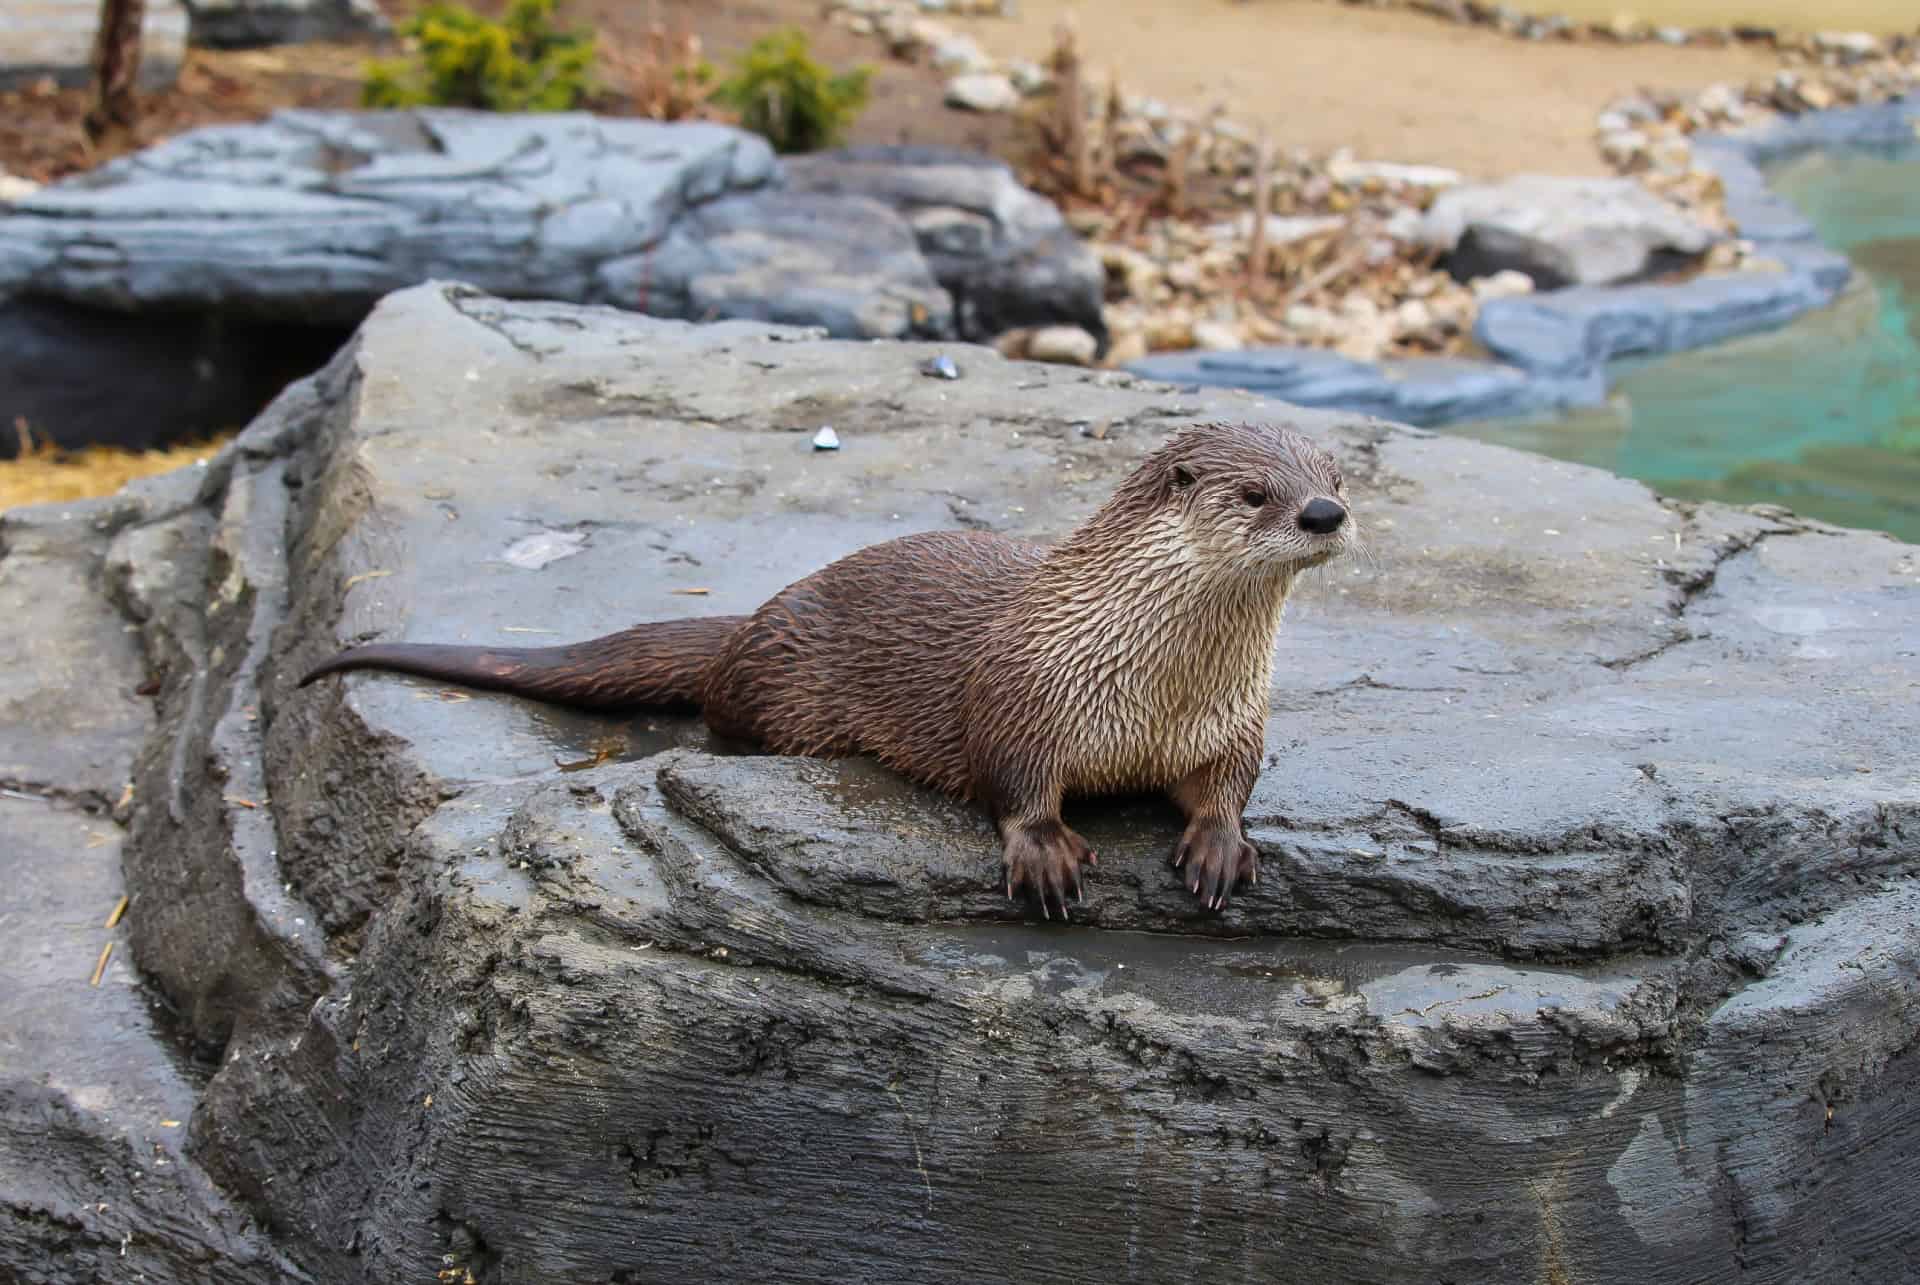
(796, 104)
(520, 64)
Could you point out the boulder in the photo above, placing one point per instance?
(312, 216)
(54, 38)
(1561, 231)
(846, 263)
(246, 24)
(309, 217)
(1583, 948)
(96, 1179)
(1002, 251)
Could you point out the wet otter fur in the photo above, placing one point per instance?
(1135, 654)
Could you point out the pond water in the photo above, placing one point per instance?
(1822, 416)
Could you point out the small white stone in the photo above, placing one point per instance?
(1216, 336)
(1502, 285)
(1028, 77)
(1066, 345)
(1343, 169)
(14, 188)
(958, 54)
(826, 439)
(982, 91)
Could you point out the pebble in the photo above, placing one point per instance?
(14, 188)
(1501, 285)
(1216, 336)
(1066, 345)
(982, 91)
(1028, 77)
(940, 366)
(960, 54)
(826, 439)
(1343, 169)
(1852, 46)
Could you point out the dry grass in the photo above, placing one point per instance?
(44, 474)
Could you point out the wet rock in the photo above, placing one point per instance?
(54, 38)
(503, 1017)
(982, 91)
(245, 24)
(1561, 231)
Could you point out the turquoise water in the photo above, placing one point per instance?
(1823, 416)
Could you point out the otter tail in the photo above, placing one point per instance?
(652, 666)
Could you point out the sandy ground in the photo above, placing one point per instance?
(1391, 84)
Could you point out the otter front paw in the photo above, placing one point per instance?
(1213, 858)
(1046, 857)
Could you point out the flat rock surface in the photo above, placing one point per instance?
(1582, 949)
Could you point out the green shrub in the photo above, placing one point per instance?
(521, 63)
(796, 104)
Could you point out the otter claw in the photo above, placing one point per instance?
(1216, 858)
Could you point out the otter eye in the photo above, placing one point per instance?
(1254, 497)
(1182, 476)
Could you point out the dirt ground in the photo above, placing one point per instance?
(1390, 84)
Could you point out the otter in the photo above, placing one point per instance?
(1135, 654)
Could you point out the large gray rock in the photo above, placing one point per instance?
(842, 262)
(312, 216)
(96, 1182)
(1003, 251)
(309, 217)
(1585, 949)
(244, 24)
(54, 38)
(1560, 230)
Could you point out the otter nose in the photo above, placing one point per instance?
(1322, 517)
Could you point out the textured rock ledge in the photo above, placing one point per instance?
(1551, 348)
(1585, 950)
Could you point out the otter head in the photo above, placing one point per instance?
(1257, 498)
